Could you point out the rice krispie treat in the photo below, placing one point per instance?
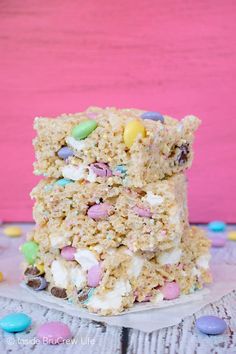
(109, 281)
(103, 215)
(126, 146)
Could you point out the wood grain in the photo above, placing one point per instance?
(177, 57)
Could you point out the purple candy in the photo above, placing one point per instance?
(218, 242)
(211, 325)
(94, 276)
(37, 283)
(65, 152)
(101, 169)
(99, 211)
(153, 116)
(54, 332)
(68, 253)
(143, 212)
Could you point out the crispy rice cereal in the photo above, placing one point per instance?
(125, 276)
(165, 150)
(62, 214)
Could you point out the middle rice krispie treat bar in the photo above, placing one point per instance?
(125, 146)
(109, 281)
(99, 215)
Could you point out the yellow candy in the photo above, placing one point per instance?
(40, 267)
(1, 276)
(132, 130)
(232, 235)
(12, 231)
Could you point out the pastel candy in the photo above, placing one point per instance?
(37, 283)
(232, 235)
(101, 169)
(218, 242)
(120, 170)
(12, 231)
(30, 251)
(99, 211)
(94, 276)
(217, 226)
(68, 253)
(54, 332)
(84, 129)
(143, 212)
(153, 116)
(211, 325)
(15, 322)
(1, 276)
(63, 182)
(65, 152)
(132, 130)
(170, 291)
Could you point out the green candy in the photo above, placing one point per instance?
(30, 251)
(84, 129)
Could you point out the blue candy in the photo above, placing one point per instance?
(15, 322)
(153, 116)
(120, 169)
(217, 226)
(211, 325)
(65, 152)
(63, 182)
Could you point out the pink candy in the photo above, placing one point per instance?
(68, 253)
(54, 332)
(144, 212)
(99, 211)
(94, 276)
(170, 291)
(101, 169)
(218, 241)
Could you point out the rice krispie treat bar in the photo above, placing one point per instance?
(126, 146)
(103, 215)
(108, 282)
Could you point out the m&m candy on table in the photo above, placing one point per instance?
(232, 235)
(12, 231)
(1, 276)
(54, 332)
(217, 241)
(211, 325)
(15, 322)
(217, 226)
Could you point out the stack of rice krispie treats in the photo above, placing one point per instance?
(111, 213)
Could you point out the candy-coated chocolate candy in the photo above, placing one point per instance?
(54, 332)
(232, 235)
(34, 270)
(84, 129)
(153, 116)
(30, 251)
(217, 226)
(59, 292)
(68, 253)
(1, 276)
(40, 267)
(132, 130)
(94, 276)
(99, 211)
(218, 242)
(120, 171)
(63, 182)
(101, 169)
(12, 231)
(170, 291)
(65, 152)
(211, 325)
(143, 212)
(15, 322)
(85, 294)
(37, 283)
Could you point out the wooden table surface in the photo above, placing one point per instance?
(93, 337)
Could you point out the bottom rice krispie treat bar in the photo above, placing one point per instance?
(109, 281)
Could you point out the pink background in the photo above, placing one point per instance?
(176, 57)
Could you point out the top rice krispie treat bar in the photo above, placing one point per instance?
(127, 146)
